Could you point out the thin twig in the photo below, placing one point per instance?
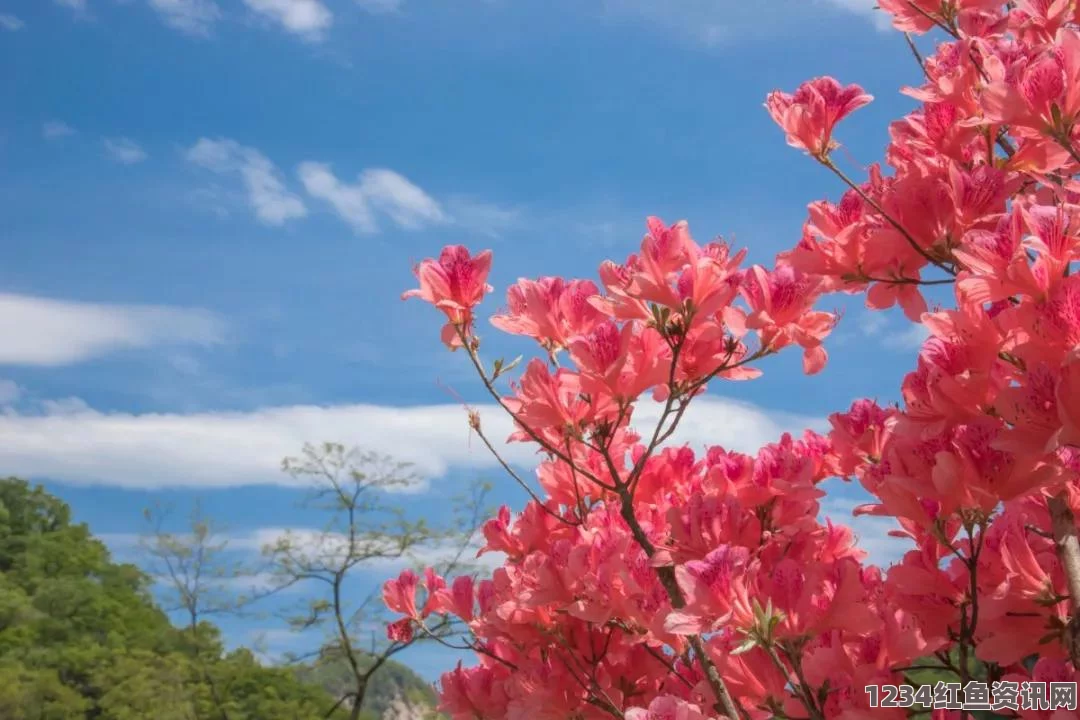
(908, 281)
(517, 478)
(917, 54)
(490, 387)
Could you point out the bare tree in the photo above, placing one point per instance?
(194, 576)
(365, 530)
(189, 566)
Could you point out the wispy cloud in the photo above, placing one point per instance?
(333, 546)
(227, 449)
(381, 193)
(909, 336)
(872, 323)
(377, 196)
(384, 556)
(307, 18)
(267, 194)
(711, 24)
(55, 129)
(73, 4)
(41, 331)
(380, 6)
(193, 17)
(11, 23)
(124, 150)
(867, 8)
(375, 191)
(481, 217)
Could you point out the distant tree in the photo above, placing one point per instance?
(364, 528)
(192, 573)
(193, 576)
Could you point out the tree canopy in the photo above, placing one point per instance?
(82, 637)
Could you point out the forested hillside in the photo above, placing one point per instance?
(81, 637)
(392, 681)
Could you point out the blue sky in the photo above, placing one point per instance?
(211, 207)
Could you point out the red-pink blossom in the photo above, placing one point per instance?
(810, 114)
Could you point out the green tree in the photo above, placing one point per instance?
(82, 639)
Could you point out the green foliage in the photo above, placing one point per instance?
(941, 668)
(81, 638)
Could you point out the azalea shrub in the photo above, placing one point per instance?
(646, 580)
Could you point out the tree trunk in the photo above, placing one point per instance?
(1068, 548)
(358, 699)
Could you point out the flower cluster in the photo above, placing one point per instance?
(648, 581)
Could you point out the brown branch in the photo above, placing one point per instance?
(669, 665)
(338, 704)
(796, 687)
(907, 281)
(517, 478)
(934, 19)
(1065, 142)
(1003, 142)
(489, 385)
(827, 162)
(725, 704)
(603, 702)
(918, 56)
(811, 706)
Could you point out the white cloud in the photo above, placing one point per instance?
(124, 150)
(331, 546)
(376, 189)
(272, 202)
(406, 204)
(307, 18)
(307, 542)
(54, 129)
(40, 331)
(11, 23)
(377, 192)
(73, 4)
(227, 449)
(347, 200)
(194, 17)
